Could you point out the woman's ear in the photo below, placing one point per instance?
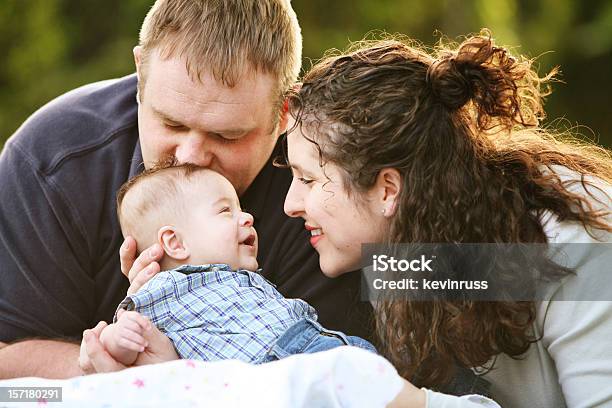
(172, 243)
(388, 187)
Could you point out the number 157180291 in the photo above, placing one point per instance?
(30, 394)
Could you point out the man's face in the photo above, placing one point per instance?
(229, 130)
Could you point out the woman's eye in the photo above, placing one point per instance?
(305, 180)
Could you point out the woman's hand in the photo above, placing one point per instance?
(139, 270)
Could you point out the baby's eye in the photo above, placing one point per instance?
(225, 209)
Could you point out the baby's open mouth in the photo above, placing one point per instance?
(249, 241)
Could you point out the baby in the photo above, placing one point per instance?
(207, 300)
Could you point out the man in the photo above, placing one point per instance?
(209, 89)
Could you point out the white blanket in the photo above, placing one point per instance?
(342, 377)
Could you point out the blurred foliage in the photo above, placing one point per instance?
(52, 46)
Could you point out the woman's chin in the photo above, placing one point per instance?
(335, 262)
(334, 269)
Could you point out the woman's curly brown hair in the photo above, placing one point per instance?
(461, 125)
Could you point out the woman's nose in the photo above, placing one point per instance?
(294, 206)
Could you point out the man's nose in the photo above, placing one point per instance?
(193, 149)
(294, 205)
(246, 219)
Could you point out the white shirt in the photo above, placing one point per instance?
(571, 366)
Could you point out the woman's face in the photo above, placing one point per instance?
(337, 223)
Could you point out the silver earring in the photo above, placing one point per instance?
(384, 211)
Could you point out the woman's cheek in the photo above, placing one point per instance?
(329, 210)
(315, 205)
(328, 202)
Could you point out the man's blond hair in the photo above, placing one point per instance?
(225, 37)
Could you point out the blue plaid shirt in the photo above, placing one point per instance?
(211, 312)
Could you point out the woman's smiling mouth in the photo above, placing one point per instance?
(316, 234)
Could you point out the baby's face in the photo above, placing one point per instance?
(215, 229)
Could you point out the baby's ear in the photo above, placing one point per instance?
(172, 243)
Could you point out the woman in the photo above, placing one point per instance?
(393, 144)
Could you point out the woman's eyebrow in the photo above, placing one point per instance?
(293, 165)
(303, 172)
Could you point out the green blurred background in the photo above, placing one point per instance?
(51, 46)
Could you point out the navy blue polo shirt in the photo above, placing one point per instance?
(60, 237)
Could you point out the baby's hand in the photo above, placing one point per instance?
(129, 331)
(124, 339)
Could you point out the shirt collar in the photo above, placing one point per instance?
(137, 163)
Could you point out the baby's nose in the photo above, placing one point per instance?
(246, 219)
